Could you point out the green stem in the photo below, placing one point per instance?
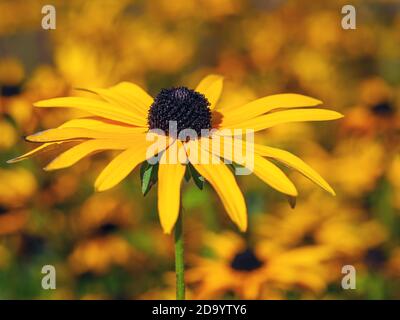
(179, 259)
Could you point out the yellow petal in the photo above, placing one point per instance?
(97, 124)
(169, 189)
(286, 116)
(294, 162)
(101, 124)
(126, 161)
(64, 134)
(95, 107)
(128, 95)
(119, 168)
(76, 153)
(264, 169)
(211, 87)
(272, 175)
(224, 183)
(264, 105)
(43, 148)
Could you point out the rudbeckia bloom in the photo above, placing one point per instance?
(123, 115)
(232, 266)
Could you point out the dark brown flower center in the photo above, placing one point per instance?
(383, 109)
(246, 261)
(188, 108)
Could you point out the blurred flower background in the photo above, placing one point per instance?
(110, 245)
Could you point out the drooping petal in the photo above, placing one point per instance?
(263, 105)
(272, 175)
(235, 150)
(127, 160)
(241, 152)
(211, 87)
(294, 162)
(170, 176)
(92, 123)
(95, 107)
(64, 134)
(76, 153)
(286, 116)
(128, 95)
(224, 183)
(43, 148)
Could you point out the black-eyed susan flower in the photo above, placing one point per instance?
(234, 267)
(123, 116)
(17, 188)
(99, 254)
(12, 75)
(339, 226)
(16, 191)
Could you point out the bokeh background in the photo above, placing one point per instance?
(110, 245)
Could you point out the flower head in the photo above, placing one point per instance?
(233, 266)
(125, 117)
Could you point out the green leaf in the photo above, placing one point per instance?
(197, 178)
(148, 176)
(187, 174)
(231, 166)
(234, 166)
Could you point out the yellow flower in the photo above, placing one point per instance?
(99, 254)
(12, 72)
(102, 211)
(8, 135)
(336, 225)
(71, 59)
(375, 114)
(12, 75)
(370, 156)
(17, 187)
(235, 267)
(124, 114)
